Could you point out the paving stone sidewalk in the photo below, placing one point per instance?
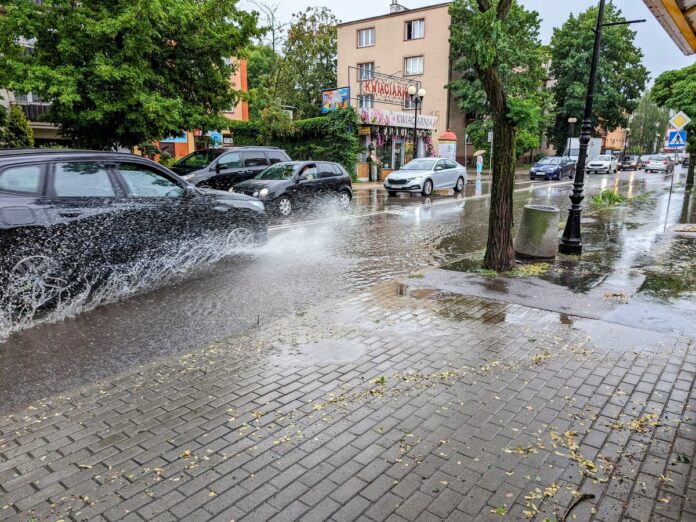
(394, 404)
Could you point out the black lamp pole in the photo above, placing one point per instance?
(571, 241)
(417, 96)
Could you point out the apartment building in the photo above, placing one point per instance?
(379, 58)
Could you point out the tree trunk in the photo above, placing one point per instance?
(500, 255)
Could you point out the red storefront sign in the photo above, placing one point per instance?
(386, 90)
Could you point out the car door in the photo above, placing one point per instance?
(440, 175)
(306, 188)
(254, 162)
(227, 171)
(329, 183)
(453, 172)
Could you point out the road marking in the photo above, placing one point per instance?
(334, 219)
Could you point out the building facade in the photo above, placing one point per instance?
(379, 58)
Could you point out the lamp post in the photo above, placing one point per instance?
(417, 96)
(571, 122)
(571, 241)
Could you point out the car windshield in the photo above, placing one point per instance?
(419, 164)
(549, 160)
(200, 158)
(602, 158)
(657, 158)
(278, 171)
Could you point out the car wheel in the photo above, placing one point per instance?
(240, 237)
(36, 281)
(427, 188)
(459, 185)
(284, 206)
(344, 199)
(392, 194)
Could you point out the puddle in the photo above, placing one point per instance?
(321, 352)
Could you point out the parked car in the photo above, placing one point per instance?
(425, 175)
(630, 163)
(65, 213)
(553, 167)
(285, 186)
(223, 168)
(604, 163)
(659, 163)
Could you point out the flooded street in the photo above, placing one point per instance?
(311, 259)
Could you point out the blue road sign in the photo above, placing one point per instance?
(677, 139)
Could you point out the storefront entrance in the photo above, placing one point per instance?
(398, 153)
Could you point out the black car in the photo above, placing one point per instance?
(553, 167)
(286, 186)
(629, 163)
(66, 213)
(221, 169)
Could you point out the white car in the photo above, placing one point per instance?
(425, 175)
(604, 163)
(659, 163)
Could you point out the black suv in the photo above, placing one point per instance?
(65, 213)
(221, 169)
(286, 186)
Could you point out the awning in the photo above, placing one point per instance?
(678, 18)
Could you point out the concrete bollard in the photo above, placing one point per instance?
(537, 235)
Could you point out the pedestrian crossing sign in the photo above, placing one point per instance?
(677, 139)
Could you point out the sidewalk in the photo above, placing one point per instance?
(405, 402)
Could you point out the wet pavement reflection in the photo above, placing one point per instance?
(311, 258)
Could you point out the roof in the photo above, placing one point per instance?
(41, 152)
(398, 13)
(678, 19)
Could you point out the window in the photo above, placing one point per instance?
(449, 164)
(309, 172)
(82, 180)
(230, 160)
(337, 169)
(415, 29)
(25, 179)
(199, 158)
(276, 157)
(413, 65)
(366, 37)
(366, 101)
(254, 159)
(409, 103)
(326, 170)
(366, 71)
(144, 182)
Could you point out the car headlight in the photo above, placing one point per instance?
(417, 178)
(258, 204)
(263, 192)
(188, 177)
(255, 194)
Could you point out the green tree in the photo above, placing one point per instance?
(308, 64)
(495, 44)
(125, 72)
(262, 62)
(648, 120)
(17, 134)
(621, 76)
(677, 90)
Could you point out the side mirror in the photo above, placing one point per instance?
(217, 168)
(438, 168)
(190, 192)
(300, 178)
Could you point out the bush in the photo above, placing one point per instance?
(17, 133)
(333, 137)
(608, 197)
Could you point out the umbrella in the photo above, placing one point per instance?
(479, 152)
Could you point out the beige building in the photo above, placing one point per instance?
(379, 58)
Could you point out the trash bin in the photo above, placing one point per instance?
(537, 234)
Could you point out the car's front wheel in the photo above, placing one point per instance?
(240, 237)
(459, 186)
(36, 281)
(427, 188)
(284, 206)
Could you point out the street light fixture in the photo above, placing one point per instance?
(417, 96)
(571, 241)
(571, 122)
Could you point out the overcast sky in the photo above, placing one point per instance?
(660, 53)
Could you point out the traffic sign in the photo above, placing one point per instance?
(677, 139)
(680, 121)
(216, 138)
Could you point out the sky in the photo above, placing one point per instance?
(660, 53)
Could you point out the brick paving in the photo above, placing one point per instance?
(394, 404)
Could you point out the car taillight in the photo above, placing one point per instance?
(666, 162)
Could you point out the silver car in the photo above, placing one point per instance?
(425, 175)
(659, 163)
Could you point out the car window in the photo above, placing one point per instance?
(82, 180)
(144, 182)
(25, 179)
(419, 164)
(254, 159)
(440, 165)
(309, 172)
(326, 170)
(231, 160)
(199, 159)
(276, 157)
(337, 169)
(450, 164)
(279, 171)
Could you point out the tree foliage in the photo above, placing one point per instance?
(621, 76)
(16, 133)
(677, 90)
(647, 121)
(495, 45)
(125, 71)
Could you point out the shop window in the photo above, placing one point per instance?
(415, 29)
(413, 65)
(366, 37)
(409, 103)
(366, 101)
(366, 71)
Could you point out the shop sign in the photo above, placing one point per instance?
(388, 90)
(397, 119)
(335, 99)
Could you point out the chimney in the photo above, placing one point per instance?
(395, 7)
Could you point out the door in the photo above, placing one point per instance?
(328, 179)
(307, 188)
(397, 153)
(227, 169)
(441, 175)
(452, 172)
(254, 163)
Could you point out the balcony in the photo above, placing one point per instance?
(35, 111)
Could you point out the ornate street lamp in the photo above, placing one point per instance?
(571, 241)
(417, 96)
(571, 123)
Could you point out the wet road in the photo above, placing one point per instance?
(308, 260)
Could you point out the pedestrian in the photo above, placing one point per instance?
(479, 164)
